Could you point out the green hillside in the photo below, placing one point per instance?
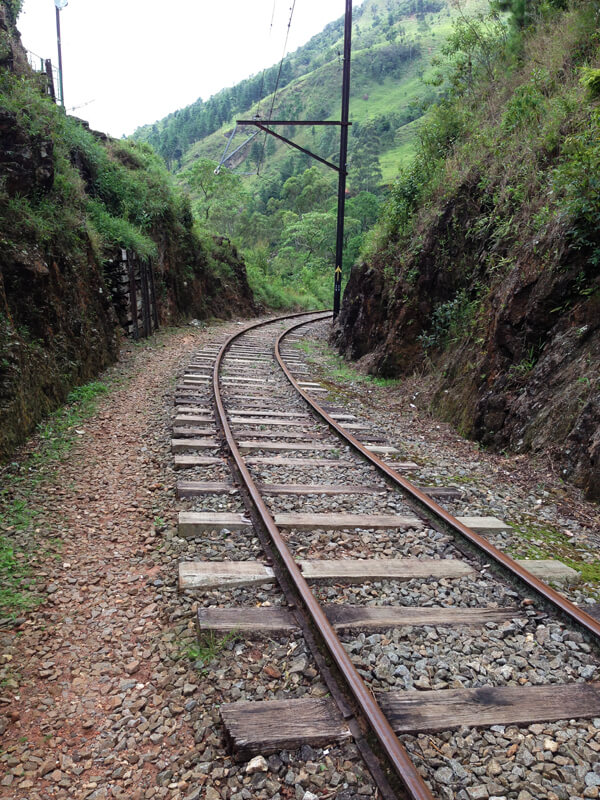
(394, 43)
(283, 218)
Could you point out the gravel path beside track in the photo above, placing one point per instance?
(106, 693)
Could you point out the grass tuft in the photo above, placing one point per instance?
(208, 646)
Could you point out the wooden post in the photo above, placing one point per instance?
(153, 296)
(50, 77)
(132, 294)
(145, 299)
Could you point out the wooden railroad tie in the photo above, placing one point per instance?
(185, 445)
(193, 419)
(248, 360)
(186, 461)
(193, 523)
(273, 619)
(212, 574)
(194, 488)
(260, 399)
(294, 422)
(278, 435)
(195, 410)
(284, 461)
(401, 466)
(334, 521)
(189, 400)
(251, 444)
(240, 412)
(270, 726)
(326, 489)
(185, 431)
(239, 379)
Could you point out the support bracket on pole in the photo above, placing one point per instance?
(262, 125)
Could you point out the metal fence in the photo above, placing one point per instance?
(45, 67)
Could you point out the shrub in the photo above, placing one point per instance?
(590, 78)
(577, 182)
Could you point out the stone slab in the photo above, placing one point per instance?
(187, 461)
(213, 574)
(181, 445)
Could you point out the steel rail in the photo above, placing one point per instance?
(542, 589)
(395, 752)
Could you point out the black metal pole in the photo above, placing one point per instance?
(339, 244)
(60, 67)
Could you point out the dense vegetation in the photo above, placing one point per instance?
(486, 261)
(519, 129)
(521, 102)
(70, 200)
(284, 219)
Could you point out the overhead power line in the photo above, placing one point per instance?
(285, 44)
(226, 154)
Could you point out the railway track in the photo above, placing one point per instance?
(369, 569)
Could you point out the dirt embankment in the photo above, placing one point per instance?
(58, 327)
(514, 352)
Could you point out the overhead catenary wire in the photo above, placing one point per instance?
(274, 96)
(226, 155)
(262, 79)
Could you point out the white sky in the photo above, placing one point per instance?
(138, 60)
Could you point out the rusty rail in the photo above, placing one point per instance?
(395, 752)
(542, 589)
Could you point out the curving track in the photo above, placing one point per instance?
(263, 409)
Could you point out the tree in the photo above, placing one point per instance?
(219, 198)
(366, 172)
(310, 191)
(313, 233)
(256, 152)
(364, 208)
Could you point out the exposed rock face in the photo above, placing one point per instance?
(12, 54)
(26, 163)
(520, 369)
(58, 328)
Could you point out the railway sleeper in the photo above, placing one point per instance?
(264, 727)
(212, 574)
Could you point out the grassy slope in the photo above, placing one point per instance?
(487, 264)
(391, 95)
(69, 201)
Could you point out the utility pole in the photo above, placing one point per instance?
(339, 245)
(341, 169)
(60, 4)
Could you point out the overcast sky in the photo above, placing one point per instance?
(134, 61)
